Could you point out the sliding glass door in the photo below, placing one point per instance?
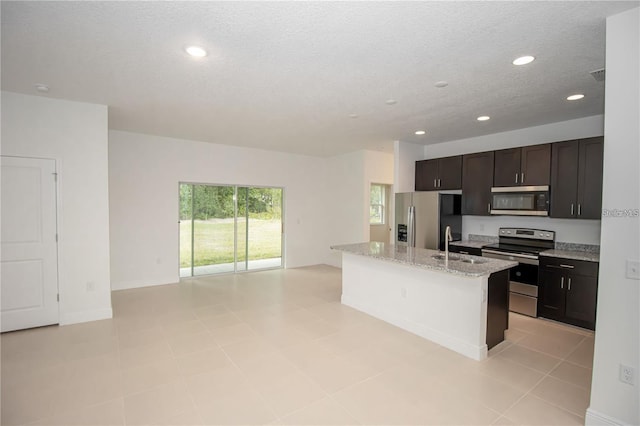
(260, 223)
(229, 229)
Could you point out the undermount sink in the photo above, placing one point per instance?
(442, 257)
(456, 257)
(474, 261)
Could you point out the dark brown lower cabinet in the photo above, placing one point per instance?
(497, 307)
(568, 291)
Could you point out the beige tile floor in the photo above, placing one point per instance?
(277, 347)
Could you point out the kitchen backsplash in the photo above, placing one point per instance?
(483, 238)
(569, 230)
(590, 248)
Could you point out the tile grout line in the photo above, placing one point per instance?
(259, 394)
(119, 349)
(331, 396)
(548, 374)
(564, 381)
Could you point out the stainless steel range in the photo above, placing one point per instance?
(524, 246)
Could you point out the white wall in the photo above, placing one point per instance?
(75, 135)
(345, 188)
(348, 180)
(564, 130)
(404, 166)
(618, 322)
(144, 172)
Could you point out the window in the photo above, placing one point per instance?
(376, 206)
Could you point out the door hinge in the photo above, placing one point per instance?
(55, 176)
(58, 297)
(56, 238)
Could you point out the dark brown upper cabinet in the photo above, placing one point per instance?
(477, 179)
(576, 178)
(525, 166)
(440, 173)
(426, 175)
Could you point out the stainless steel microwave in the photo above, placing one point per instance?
(520, 200)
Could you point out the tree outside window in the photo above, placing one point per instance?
(376, 206)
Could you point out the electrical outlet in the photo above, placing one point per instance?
(91, 286)
(627, 374)
(633, 269)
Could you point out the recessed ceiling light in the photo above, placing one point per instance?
(523, 60)
(390, 102)
(575, 97)
(42, 88)
(353, 115)
(420, 132)
(196, 51)
(483, 118)
(440, 84)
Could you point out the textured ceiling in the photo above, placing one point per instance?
(287, 76)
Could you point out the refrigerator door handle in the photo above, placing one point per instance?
(411, 227)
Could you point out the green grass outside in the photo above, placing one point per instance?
(213, 241)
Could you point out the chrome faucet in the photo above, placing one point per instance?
(447, 238)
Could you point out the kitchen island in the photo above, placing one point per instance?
(460, 303)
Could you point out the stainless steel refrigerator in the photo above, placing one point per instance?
(422, 217)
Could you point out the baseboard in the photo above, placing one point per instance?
(477, 353)
(85, 316)
(594, 418)
(126, 285)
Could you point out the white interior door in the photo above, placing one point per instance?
(29, 250)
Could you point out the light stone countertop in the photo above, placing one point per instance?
(421, 258)
(571, 254)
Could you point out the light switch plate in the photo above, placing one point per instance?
(633, 269)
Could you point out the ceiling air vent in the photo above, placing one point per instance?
(598, 74)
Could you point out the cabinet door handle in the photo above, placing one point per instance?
(522, 177)
(562, 282)
(439, 184)
(435, 183)
(562, 265)
(569, 288)
(489, 208)
(516, 178)
(463, 252)
(579, 209)
(571, 209)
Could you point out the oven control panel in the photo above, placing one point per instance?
(533, 234)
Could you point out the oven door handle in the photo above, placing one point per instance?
(522, 258)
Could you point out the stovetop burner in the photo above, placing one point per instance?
(523, 241)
